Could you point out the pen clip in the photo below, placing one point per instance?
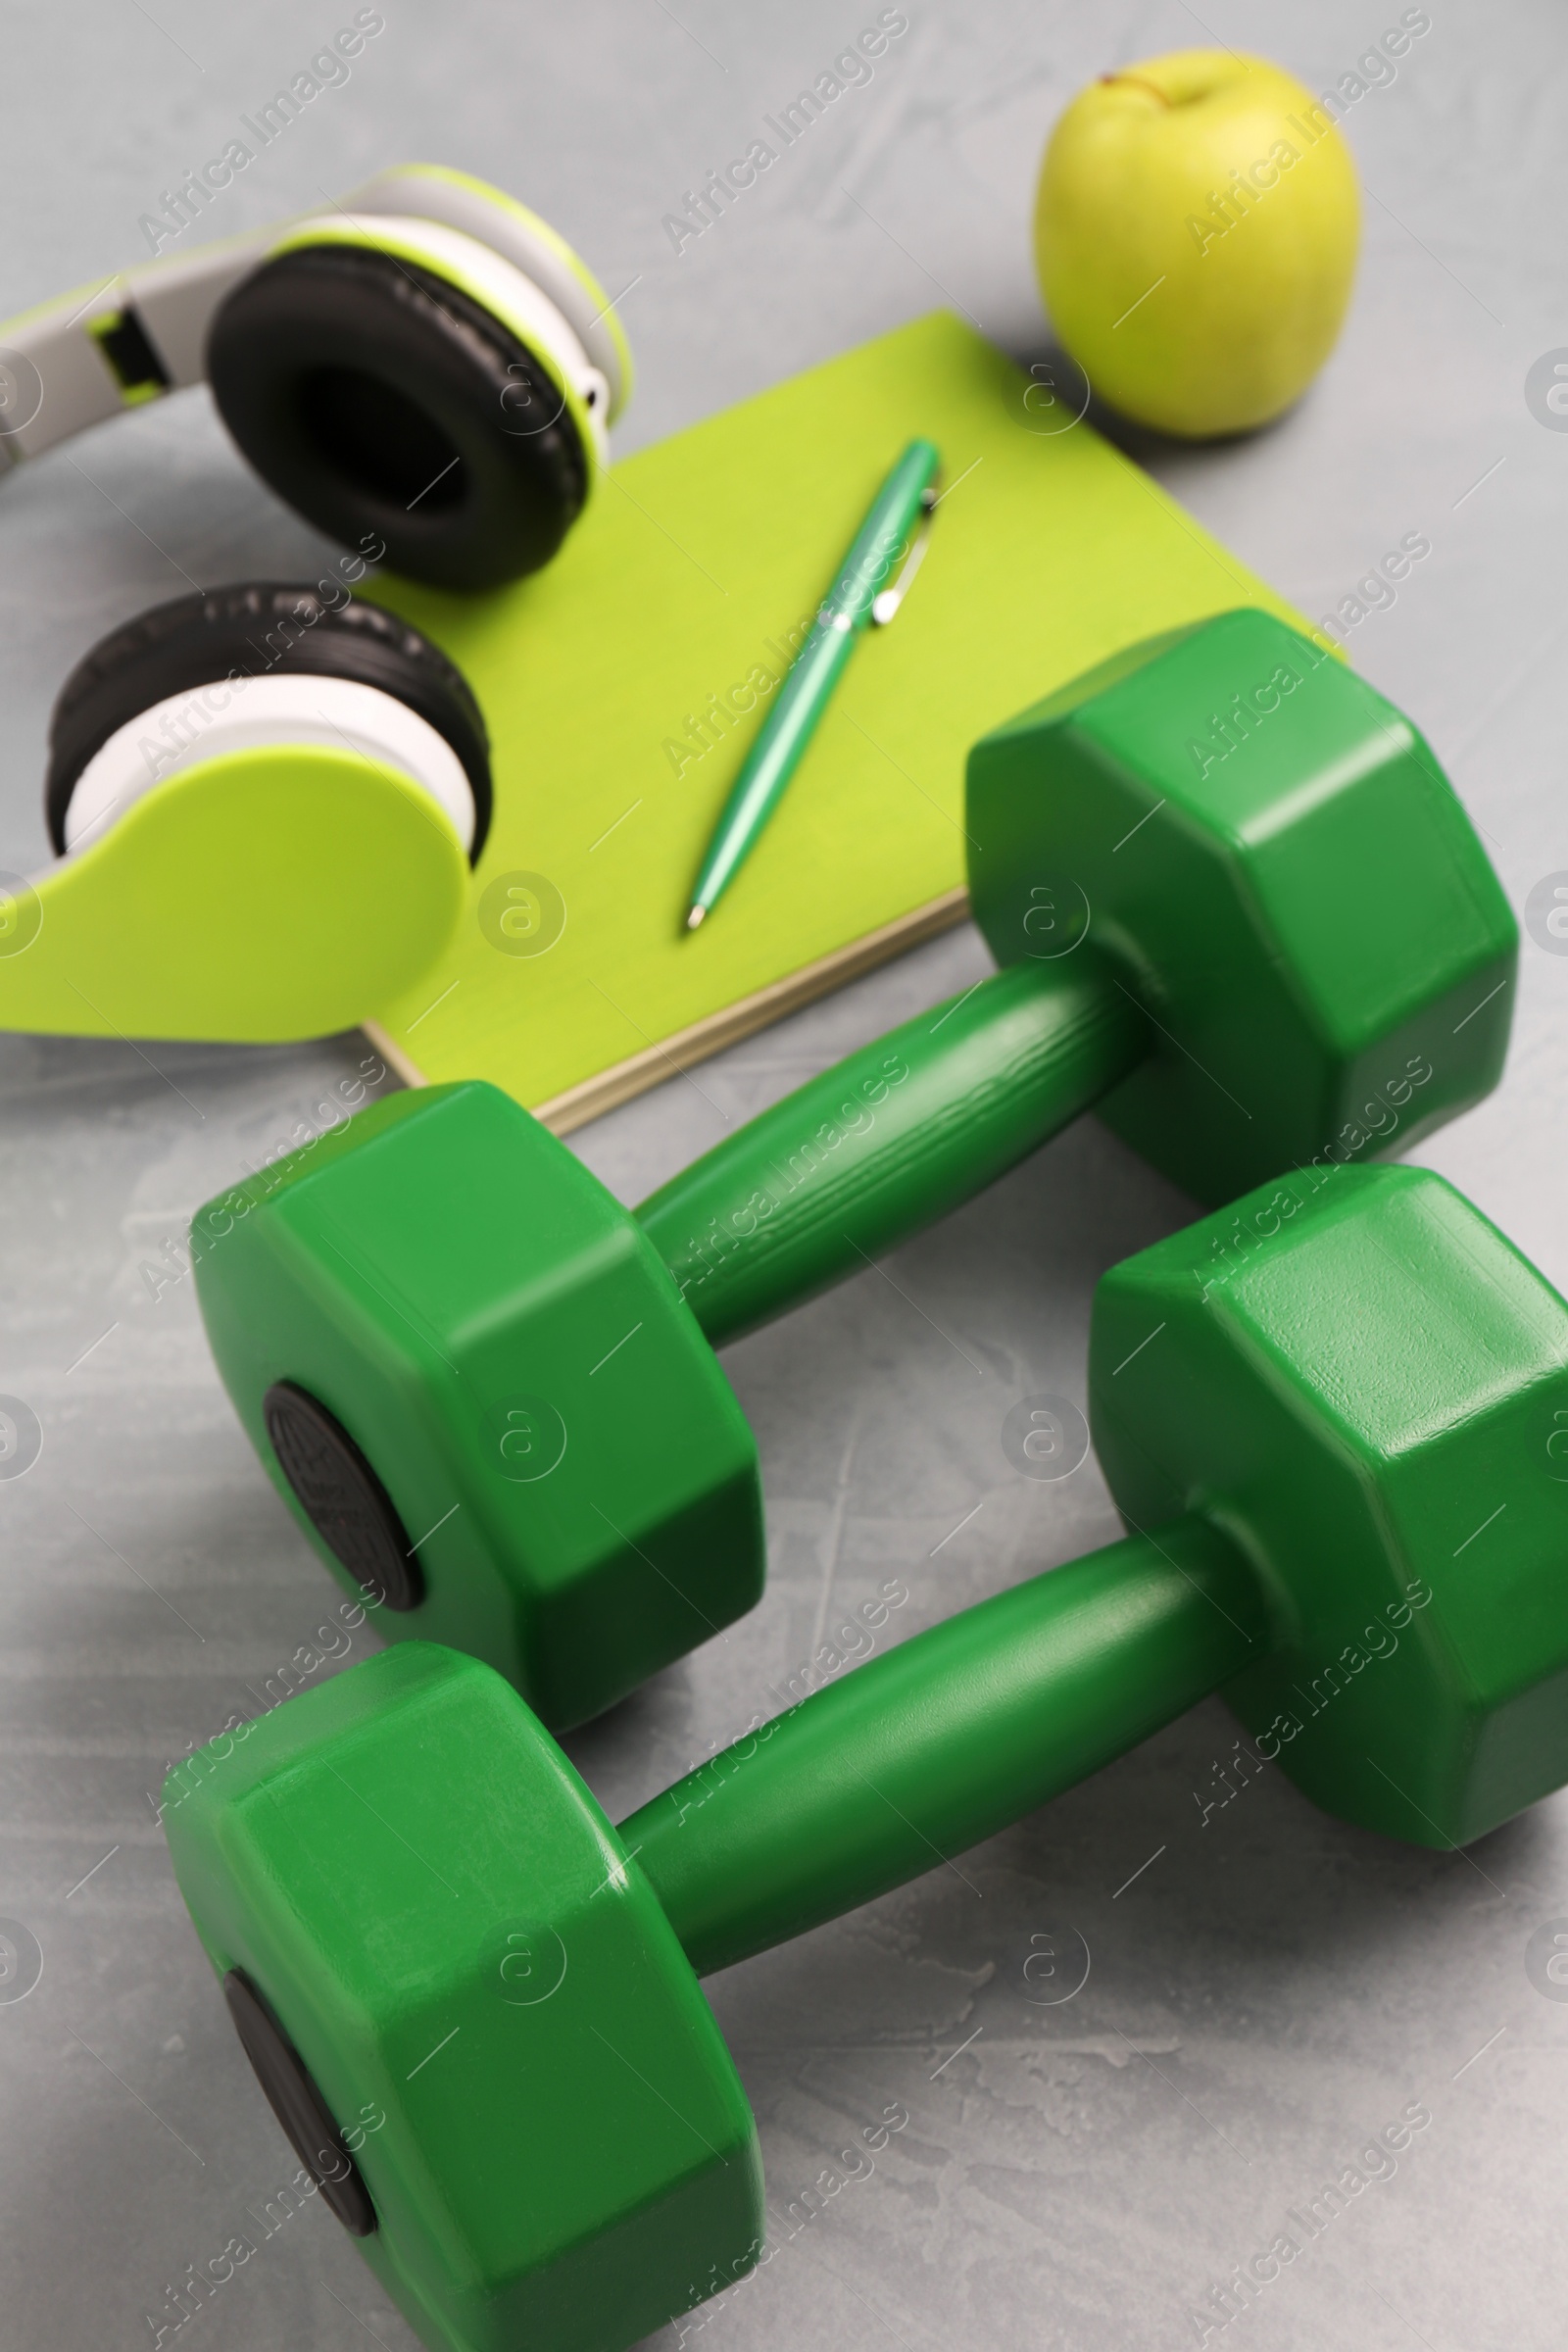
(887, 601)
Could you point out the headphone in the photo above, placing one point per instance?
(267, 802)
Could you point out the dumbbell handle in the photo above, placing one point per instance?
(944, 1740)
(890, 1139)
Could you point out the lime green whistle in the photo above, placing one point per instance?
(859, 595)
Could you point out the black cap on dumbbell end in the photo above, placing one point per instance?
(342, 1498)
(299, 2106)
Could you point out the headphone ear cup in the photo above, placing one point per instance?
(258, 629)
(374, 396)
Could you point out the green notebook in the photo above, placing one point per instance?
(605, 681)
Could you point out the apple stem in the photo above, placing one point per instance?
(1139, 83)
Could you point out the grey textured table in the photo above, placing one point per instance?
(1269, 1989)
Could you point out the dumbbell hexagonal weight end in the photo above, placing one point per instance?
(1367, 1386)
(447, 2018)
(1277, 867)
(1338, 1409)
(476, 1388)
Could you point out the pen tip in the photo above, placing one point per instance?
(695, 917)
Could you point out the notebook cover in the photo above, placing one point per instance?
(605, 679)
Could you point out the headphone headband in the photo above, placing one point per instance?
(90, 355)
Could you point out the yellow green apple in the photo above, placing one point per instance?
(1196, 231)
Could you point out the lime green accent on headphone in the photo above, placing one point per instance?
(132, 396)
(401, 240)
(249, 897)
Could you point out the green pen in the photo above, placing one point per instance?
(857, 595)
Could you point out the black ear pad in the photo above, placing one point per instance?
(255, 630)
(373, 395)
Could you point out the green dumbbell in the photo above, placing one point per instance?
(1334, 1423)
(465, 1365)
